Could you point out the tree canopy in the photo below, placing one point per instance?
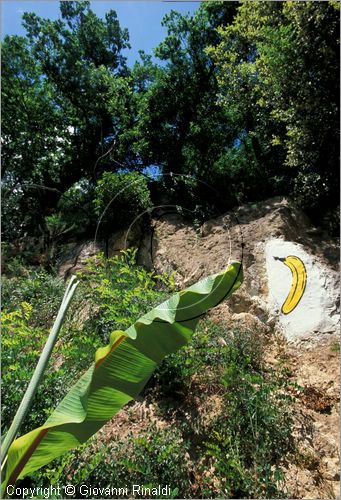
(282, 58)
(242, 97)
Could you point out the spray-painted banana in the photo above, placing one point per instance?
(299, 280)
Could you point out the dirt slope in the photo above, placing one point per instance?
(313, 359)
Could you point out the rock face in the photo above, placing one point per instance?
(256, 233)
(307, 327)
(73, 257)
(259, 234)
(290, 294)
(317, 309)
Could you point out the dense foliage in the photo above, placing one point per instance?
(113, 294)
(244, 98)
(222, 424)
(281, 60)
(120, 198)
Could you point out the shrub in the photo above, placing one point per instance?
(119, 198)
(122, 291)
(251, 438)
(21, 347)
(155, 457)
(205, 354)
(310, 190)
(40, 289)
(241, 446)
(77, 209)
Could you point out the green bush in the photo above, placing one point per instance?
(240, 451)
(122, 291)
(251, 438)
(20, 351)
(22, 344)
(155, 457)
(119, 198)
(309, 190)
(205, 354)
(40, 289)
(77, 209)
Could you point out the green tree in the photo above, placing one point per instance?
(181, 127)
(119, 198)
(57, 129)
(81, 56)
(35, 140)
(278, 67)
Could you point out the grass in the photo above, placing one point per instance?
(335, 347)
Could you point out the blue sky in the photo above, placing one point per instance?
(142, 18)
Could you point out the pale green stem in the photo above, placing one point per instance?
(39, 371)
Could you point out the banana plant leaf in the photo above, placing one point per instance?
(119, 373)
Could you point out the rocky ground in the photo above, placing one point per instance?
(312, 358)
(316, 369)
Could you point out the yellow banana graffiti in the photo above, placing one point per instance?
(299, 280)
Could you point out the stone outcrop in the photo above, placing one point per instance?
(305, 334)
(259, 234)
(256, 233)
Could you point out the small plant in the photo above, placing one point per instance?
(335, 347)
(123, 291)
(56, 226)
(206, 354)
(40, 289)
(252, 437)
(155, 457)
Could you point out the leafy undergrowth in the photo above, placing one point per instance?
(113, 293)
(222, 424)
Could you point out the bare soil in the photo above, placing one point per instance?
(316, 368)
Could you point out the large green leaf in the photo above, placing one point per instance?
(119, 373)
